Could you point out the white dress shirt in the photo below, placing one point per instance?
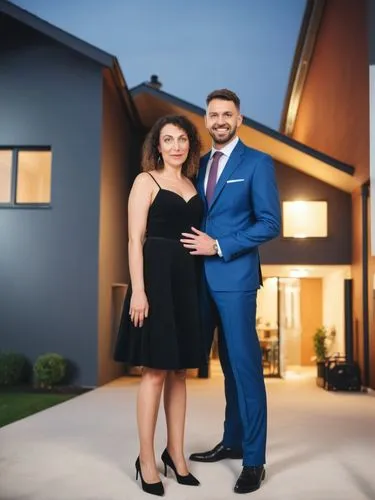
(226, 150)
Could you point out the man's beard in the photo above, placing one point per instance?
(223, 140)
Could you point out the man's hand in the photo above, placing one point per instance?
(199, 243)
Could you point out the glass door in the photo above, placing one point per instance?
(278, 324)
(267, 323)
(289, 324)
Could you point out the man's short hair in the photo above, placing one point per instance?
(224, 95)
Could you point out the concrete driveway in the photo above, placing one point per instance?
(321, 446)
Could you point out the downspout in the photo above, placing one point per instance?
(365, 287)
(348, 315)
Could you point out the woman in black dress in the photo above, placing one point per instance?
(160, 324)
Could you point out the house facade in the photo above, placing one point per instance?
(62, 102)
(328, 107)
(70, 144)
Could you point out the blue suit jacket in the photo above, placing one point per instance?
(244, 213)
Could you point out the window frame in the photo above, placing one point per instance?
(12, 169)
(14, 177)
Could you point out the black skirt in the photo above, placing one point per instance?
(171, 336)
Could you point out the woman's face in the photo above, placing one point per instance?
(173, 145)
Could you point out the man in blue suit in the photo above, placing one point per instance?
(242, 211)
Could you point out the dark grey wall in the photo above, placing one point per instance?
(336, 249)
(370, 4)
(50, 96)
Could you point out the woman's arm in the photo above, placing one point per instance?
(139, 203)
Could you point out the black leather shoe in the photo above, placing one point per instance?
(250, 479)
(220, 452)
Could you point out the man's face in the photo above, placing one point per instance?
(222, 121)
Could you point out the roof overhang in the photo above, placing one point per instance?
(152, 103)
(301, 64)
(89, 51)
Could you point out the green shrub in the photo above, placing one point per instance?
(49, 369)
(12, 368)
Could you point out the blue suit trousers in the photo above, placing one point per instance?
(245, 424)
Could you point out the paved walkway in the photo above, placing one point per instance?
(321, 446)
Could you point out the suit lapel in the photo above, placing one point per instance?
(232, 163)
(201, 176)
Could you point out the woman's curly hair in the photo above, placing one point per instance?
(150, 154)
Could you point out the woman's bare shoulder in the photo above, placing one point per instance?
(143, 178)
(144, 181)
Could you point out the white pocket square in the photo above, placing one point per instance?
(235, 180)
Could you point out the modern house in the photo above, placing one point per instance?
(69, 143)
(328, 107)
(69, 149)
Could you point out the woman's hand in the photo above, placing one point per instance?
(138, 308)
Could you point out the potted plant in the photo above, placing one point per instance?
(321, 339)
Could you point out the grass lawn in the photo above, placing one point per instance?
(17, 405)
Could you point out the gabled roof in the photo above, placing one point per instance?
(145, 104)
(153, 103)
(87, 50)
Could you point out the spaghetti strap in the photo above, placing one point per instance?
(154, 180)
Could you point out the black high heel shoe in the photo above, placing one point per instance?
(152, 488)
(188, 480)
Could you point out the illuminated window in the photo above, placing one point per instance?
(5, 175)
(25, 176)
(33, 177)
(305, 219)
